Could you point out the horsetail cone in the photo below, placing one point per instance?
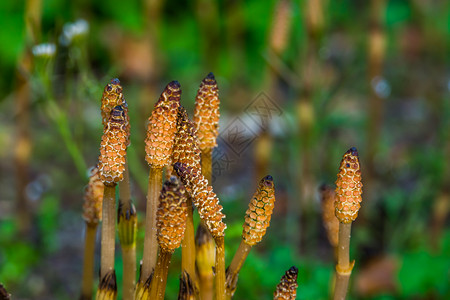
(348, 187)
(185, 149)
(93, 198)
(171, 215)
(113, 148)
(204, 198)
(287, 288)
(259, 212)
(162, 126)
(206, 113)
(112, 96)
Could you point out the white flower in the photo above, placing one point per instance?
(44, 50)
(73, 30)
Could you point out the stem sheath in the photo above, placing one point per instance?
(235, 267)
(343, 267)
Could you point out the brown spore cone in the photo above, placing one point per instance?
(93, 198)
(162, 126)
(287, 288)
(112, 96)
(185, 149)
(171, 215)
(204, 198)
(259, 212)
(348, 187)
(113, 148)
(206, 113)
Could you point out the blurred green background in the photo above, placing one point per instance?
(301, 81)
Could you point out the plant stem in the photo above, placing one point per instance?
(158, 285)
(205, 260)
(129, 271)
(88, 264)
(235, 266)
(207, 165)
(343, 267)
(124, 185)
(108, 230)
(150, 243)
(128, 239)
(188, 244)
(220, 268)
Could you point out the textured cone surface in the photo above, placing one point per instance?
(348, 187)
(93, 198)
(127, 224)
(204, 198)
(187, 291)
(259, 212)
(206, 113)
(107, 289)
(171, 215)
(112, 96)
(162, 126)
(331, 223)
(113, 148)
(185, 149)
(287, 288)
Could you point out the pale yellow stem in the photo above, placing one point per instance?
(108, 230)
(88, 264)
(150, 243)
(235, 267)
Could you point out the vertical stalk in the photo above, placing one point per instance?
(376, 49)
(188, 243)
(150, 243)
(207, 164)
(343, 267)
(22, 144)
(206, 285)
(235, 267)
(88, 264)
(127, 235)
(129, 271)
(205, 261)
(220, 268)
(158, 285)
(108, 230)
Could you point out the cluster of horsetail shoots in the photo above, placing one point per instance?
(257, 220)
(175, 142)
(347, 204)
(287, 288)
